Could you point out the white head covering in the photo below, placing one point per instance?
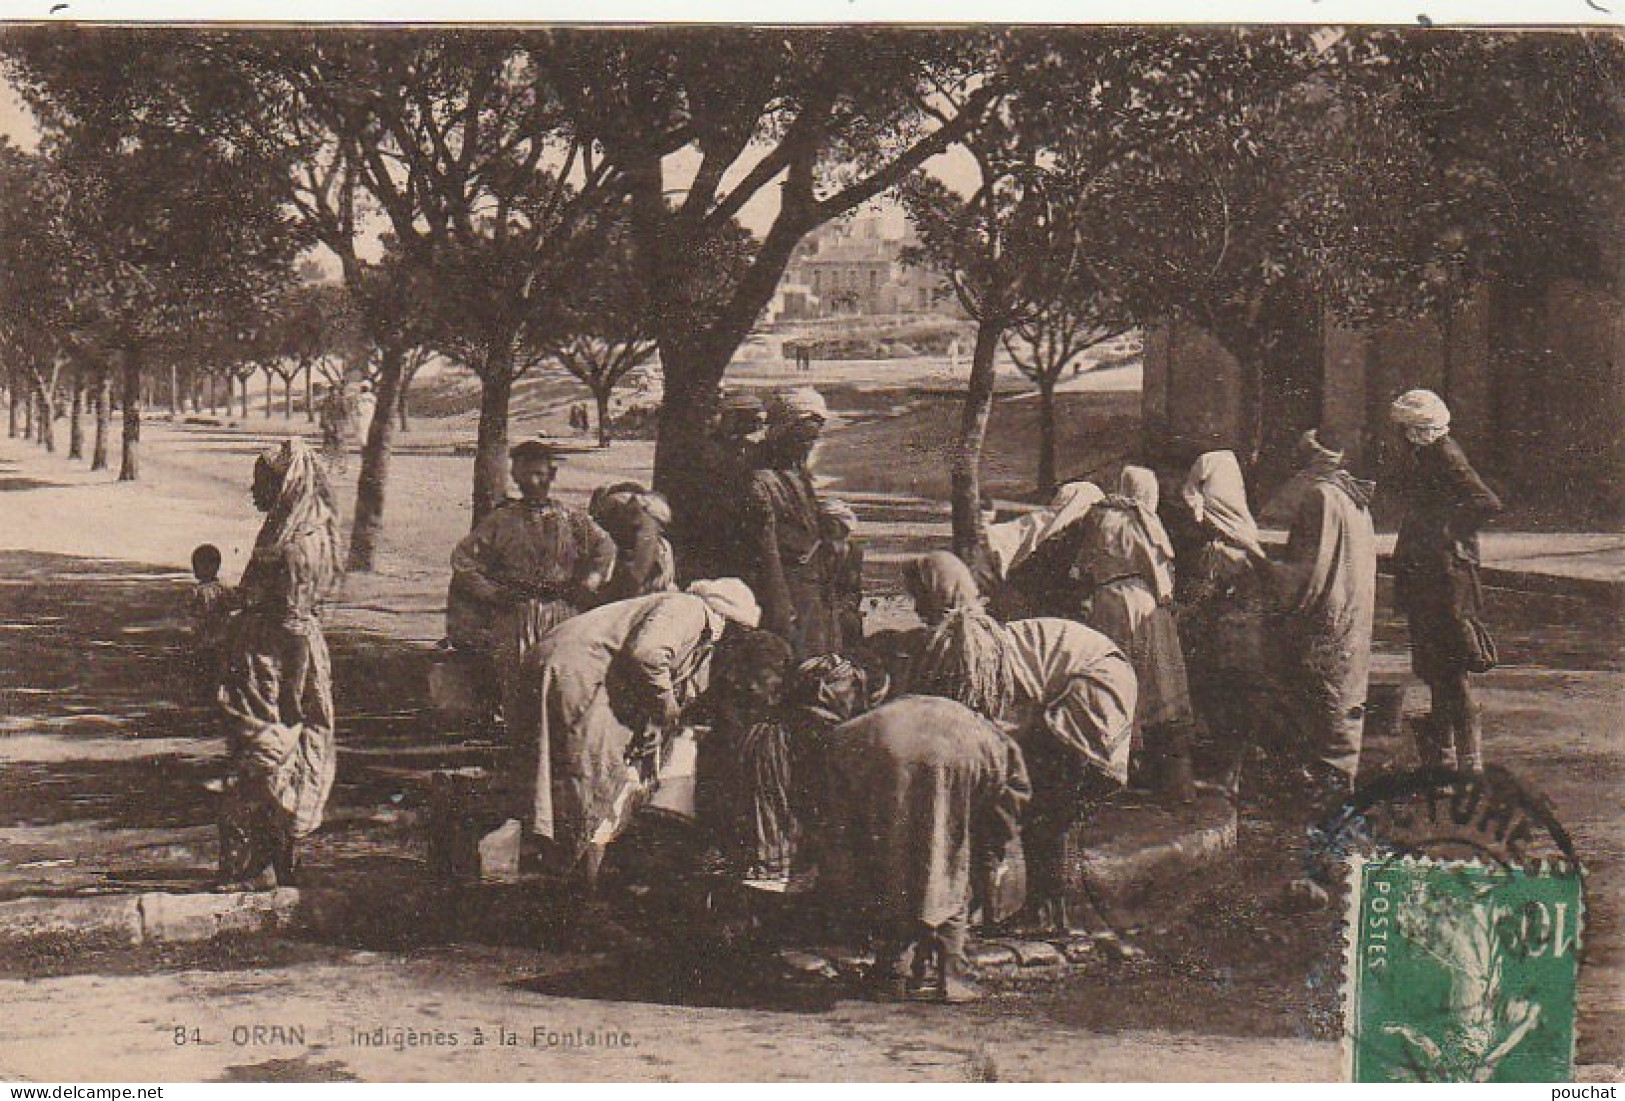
(729, 598)
(1013, 542)
(1422, 414)
(656, 506)
(1311, 446)
(1137, 486)
(788, 406)
(1217, 494)
(839, 511)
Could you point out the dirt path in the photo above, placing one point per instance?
(95, 1028)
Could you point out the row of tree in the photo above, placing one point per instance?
(575, 195)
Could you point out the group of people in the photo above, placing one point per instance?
(899, 771)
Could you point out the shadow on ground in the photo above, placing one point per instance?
(108, 747)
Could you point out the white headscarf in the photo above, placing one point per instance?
(729, 598)
(1013, 542)
(1217, 495)
(840, 512)
(1422, 414)
(1137, 488)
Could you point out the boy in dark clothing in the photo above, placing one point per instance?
(208, 612)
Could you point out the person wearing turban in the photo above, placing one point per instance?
(786, 529)
(637, 520)
(1066, 692)
(599, 696)
(1436, 577)
(1326, 588)
(1124, 568)
(277, 692)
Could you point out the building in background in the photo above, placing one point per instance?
(854, 268)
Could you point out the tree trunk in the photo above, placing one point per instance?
(373, 482)
(244, 395)
(406, 388)
(686, 411)
(967, 461)
(13, 402)
(47, 421)
(130, 463)
(601, 396)
(76, 422)
(174, 392)
(29, 405)
(269, 395)
(491, 447)
(287, 398)
(310, 394)
(104, 419)
(680, 470)
(1046, 437)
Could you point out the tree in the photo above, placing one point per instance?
(825, 120)
(1080, 316)
(606, 328)
(166, 223)
(36, 317)
(1384, 179)
(1070, 106)
(1003, 250)
(459, 140)
(607, 325)
(397, 298)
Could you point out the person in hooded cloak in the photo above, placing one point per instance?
(276, 697)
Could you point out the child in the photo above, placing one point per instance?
(208, 610)
(842, 568)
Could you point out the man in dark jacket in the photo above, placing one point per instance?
(708, 528)
(1436, 580)
(781, 514)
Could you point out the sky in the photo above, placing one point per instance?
(17, 123)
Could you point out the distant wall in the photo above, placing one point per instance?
(1534, 375)
(1192, 391)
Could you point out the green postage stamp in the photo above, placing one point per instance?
(1461, 972)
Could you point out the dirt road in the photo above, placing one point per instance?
(317, 1021)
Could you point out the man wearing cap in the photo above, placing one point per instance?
(527, 567)
(781, 516)
(707, 531)
(1436, 581)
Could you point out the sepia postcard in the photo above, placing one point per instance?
(827, 551)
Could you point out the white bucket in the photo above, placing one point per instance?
(674, 786)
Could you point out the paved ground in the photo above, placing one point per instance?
(99, 749)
